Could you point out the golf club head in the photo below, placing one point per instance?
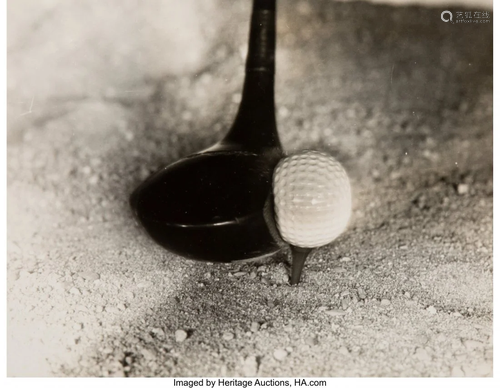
(211, 206)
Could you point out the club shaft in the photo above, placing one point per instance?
(262, 42)
(254, 128)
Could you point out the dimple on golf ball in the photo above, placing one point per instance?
(312, 199)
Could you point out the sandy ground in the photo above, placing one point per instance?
(101, 94)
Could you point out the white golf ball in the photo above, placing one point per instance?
(312, 199)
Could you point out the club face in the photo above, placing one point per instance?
(210, 206)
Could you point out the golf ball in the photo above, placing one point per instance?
(312, 199)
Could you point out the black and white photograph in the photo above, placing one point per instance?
(249, 192)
